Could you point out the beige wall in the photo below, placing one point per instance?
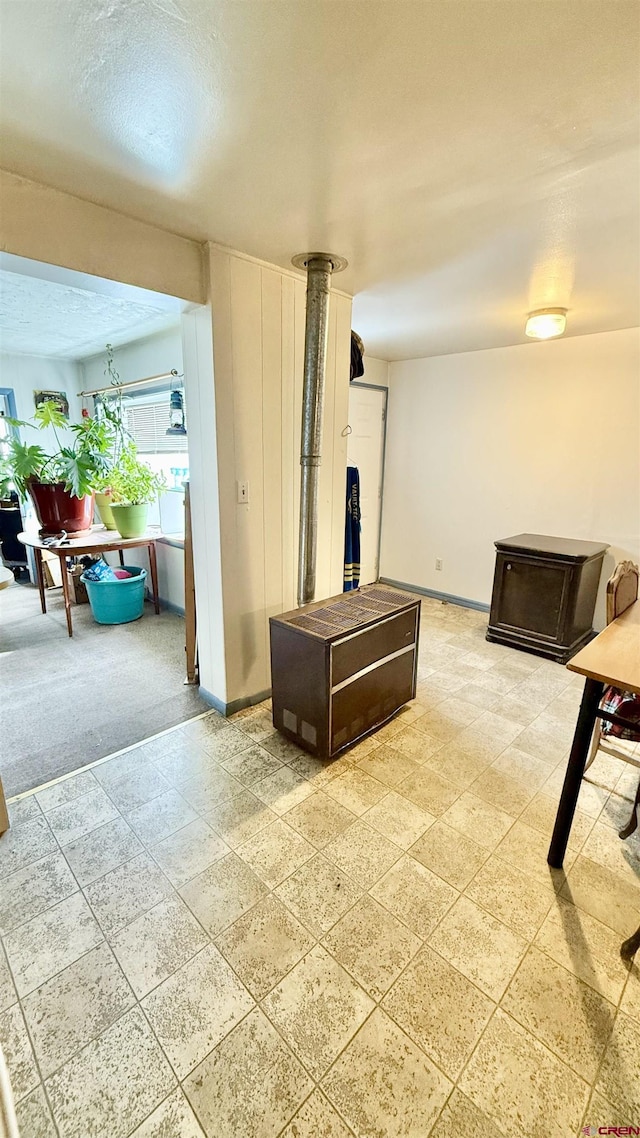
(258, 340)
(44, 224)
(375, 372)
(538, 438)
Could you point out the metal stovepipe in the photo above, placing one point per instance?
(319, 268)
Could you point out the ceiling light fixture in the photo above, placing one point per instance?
(546, 323)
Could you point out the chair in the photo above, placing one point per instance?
(618, 739)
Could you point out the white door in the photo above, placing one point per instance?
(365, 449)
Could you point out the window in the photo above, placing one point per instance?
(147, 419)
(4, 431)
(7, 410)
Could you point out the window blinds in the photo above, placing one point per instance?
(147, 422)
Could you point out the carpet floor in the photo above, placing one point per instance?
(66, 702)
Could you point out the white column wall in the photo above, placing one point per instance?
(258, 344)
(197, 349)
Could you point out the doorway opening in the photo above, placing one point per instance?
(68, 701)
(365, 450)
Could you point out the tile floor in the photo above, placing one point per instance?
(216, 934)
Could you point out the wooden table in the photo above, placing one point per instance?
(99, 541)
(612, 658)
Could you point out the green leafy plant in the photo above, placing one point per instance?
(80, 464)
(110, 370)
(132, 482)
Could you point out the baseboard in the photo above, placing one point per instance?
(169, 605)
(450, 599)
(213, 701)
(228, 709)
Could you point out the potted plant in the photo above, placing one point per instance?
(104, 501)
(134, 486)
(61, 484)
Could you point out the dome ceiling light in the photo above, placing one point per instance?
(546, 323)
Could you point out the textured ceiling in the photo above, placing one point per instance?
(473, 159)
(43, 318)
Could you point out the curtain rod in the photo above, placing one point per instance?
(173, 374)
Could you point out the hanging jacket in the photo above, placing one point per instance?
(352, 531)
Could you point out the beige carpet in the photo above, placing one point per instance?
(65, 702)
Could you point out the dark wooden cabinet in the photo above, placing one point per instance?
(341, 667)
(544, 593)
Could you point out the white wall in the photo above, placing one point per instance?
(151, 355)
(26, 374)
(258, 341)
(537, 438)
(375, 371)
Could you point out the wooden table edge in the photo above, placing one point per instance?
(626, 630)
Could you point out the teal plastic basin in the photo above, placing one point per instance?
(119, 601)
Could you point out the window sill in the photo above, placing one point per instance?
(174, 540)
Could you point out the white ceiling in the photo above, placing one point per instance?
(473, 159)
(45, 318)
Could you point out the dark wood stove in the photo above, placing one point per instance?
(341, 667)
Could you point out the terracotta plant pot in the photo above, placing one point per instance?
(58, 510)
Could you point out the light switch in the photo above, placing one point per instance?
(243, 493)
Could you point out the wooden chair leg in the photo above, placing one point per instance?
(593, 749)
(634, 820)
(629, 948)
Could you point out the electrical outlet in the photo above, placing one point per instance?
(438, 563)
(243, 493)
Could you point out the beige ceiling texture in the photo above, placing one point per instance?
(473, 159)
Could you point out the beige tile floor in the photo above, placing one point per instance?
(216, 934)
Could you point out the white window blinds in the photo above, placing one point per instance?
(147, 421)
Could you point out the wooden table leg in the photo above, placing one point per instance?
(154, 575)
(4, 814)
(592, 695)
(67, 594)
(189, 593)
(37, 553)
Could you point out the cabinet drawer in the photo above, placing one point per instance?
(356, 652)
